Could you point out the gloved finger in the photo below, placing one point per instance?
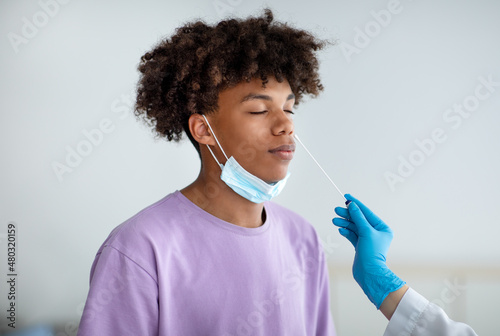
(357, 216)
(373, 219)
(351, 236)
(345, 224)
(342, 212)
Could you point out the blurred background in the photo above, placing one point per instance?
(408, 123)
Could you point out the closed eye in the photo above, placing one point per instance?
(258, 112)
(289, 111)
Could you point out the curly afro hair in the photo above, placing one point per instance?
(184, 74)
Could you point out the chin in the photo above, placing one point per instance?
(277, 177)
(272, 172)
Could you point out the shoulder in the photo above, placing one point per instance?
(146, 220)
(141, 236)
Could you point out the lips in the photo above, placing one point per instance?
(284, 152)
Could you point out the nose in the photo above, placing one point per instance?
(283, 124)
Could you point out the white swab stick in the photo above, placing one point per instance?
(324, 172)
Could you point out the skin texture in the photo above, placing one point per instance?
(249, 137)
(390, 303)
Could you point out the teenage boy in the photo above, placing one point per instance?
(217, 258)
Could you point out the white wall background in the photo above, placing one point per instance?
(75, 71)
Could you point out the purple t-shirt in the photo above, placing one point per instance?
(174, 269)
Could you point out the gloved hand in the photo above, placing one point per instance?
(371, 238)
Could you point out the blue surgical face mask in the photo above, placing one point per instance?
(242, 182)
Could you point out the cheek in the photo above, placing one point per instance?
(245, 151)
(249, 145)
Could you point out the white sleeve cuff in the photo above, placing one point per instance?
(407, 313)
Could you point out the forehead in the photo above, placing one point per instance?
(244, 92)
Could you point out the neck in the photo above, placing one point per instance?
(211, 194)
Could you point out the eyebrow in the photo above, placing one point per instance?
(254, 96)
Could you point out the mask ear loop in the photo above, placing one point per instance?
(218, 143)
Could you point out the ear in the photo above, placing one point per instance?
(199, 130)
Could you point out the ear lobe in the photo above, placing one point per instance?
(199, 130)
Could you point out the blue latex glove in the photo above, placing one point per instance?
(371, 239)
